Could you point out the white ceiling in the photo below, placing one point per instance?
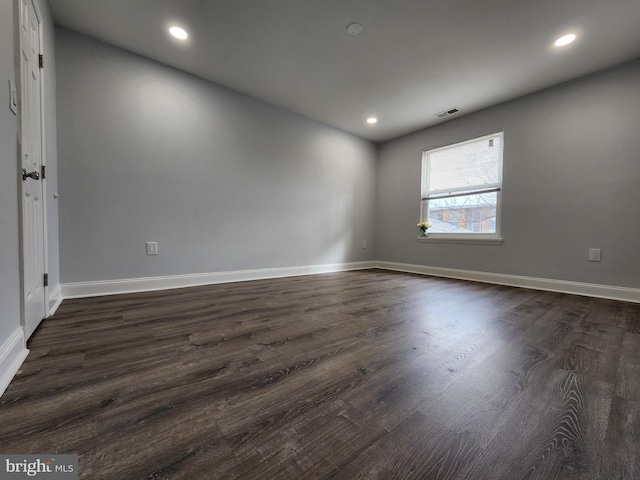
(414, 58)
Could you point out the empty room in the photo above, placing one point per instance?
(319, 239)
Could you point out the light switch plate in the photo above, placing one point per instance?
(594, 254)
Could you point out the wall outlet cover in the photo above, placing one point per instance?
(152, 248)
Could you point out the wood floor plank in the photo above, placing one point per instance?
(321, 440)
(621, 455)
(559, 436)
(366, 374)
(294, 388)
(492, 394)
(419, 448)
(156, 444)
(628, 369)
(630, 352)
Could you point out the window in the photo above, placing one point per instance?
(461, 185)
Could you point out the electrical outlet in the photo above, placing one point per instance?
(364, 244)
(594, 254)
(152, 248)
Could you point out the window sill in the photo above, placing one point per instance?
(462, 240)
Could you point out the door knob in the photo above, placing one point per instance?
(35, 175)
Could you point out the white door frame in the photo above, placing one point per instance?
(42, 181)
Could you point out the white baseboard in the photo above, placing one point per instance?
(587, 289)
(12, 353)
(55, 299)
(133, 285)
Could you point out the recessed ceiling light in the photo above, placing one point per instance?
(565, 40)
(354, 28)
(372, 120)
(179, 33)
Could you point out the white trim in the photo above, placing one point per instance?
(133, 285)
(43, 157)
(12, 354)
(55, 299)
(466, 239)
(466, 140)
(563, 286)
(42, 182)
(425, 192)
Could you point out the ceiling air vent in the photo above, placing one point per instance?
(446, 113)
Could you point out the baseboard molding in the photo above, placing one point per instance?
(12, 353)
(55, 299)
(587, 289)
(134, 285)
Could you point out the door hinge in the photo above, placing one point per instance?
(46, 280)
(41, 61)
(43, 172)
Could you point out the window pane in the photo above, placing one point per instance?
(472, 164)
(464, 214)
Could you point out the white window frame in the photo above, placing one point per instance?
(494, 238)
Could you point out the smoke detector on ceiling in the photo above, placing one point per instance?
(446, 113)
(354, 28)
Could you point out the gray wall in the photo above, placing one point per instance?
(9, 247)
(220, 180)
(571, 181)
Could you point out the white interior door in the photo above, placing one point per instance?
(33, 239)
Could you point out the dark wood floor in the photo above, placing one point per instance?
(368, 374)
